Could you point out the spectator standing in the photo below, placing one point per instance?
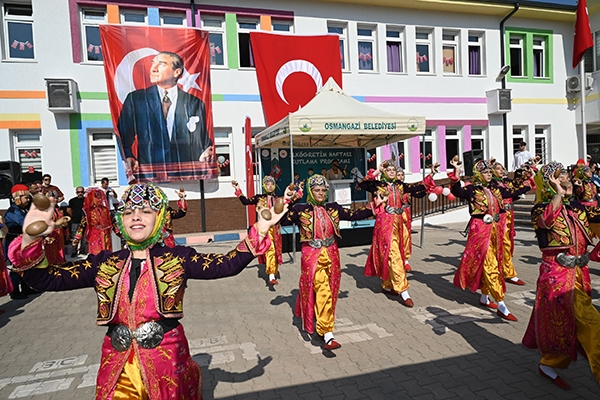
(111, 196)
(47, 186)
(335, 172)
(13, 218)
(75, 211)
(521, 156)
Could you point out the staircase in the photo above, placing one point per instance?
(523, 211)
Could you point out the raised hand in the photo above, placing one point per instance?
(38, 220)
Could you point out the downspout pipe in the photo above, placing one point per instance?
(502, 63)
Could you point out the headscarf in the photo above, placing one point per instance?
(495, 175)
(543, 190)
(478, 168)
(580, 169)
(390, 163)
(313, 181)
(138, 196)
(266, 179)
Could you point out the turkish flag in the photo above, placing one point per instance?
(291, 69)
(582, 39)
(160, 145)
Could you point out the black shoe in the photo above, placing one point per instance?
(18, 296)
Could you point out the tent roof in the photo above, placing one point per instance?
(334, 119)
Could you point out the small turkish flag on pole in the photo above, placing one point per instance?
(583, 33)
(249, 171)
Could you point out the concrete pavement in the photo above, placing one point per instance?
(250, 346)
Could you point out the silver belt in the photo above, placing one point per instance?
(148, 335)
(488, 219)
(509, 206)
(569, 261)
(395, 210)
(318, 243)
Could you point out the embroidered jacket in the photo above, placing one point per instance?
(478, 200)
(303, 215)
(171, 268)
(397, 189)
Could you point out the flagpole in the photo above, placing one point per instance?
(583, 123)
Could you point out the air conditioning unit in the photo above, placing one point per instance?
(498, 101)
(62, 95)
(573, 84)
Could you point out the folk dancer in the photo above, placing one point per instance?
(54, 243)
(584, 188)
(564, 320)
(96, 222)
(172, 214)
(273, 257)
(481, 263)
(145, 353)
(320, 277)
(387, 257)
(508, 241)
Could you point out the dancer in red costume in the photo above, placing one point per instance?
(96, 224)
(140, 290)
(273, 257)
(481, 264)
(321, 274)
(564, 320)
(387, 257)
(508, 240)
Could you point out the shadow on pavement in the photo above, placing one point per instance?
(13, 308)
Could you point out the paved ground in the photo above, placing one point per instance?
(250, 346)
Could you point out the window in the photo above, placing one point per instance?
(450, 56)
(423, 44)
(28, 150)
(397, 154)
(529, 54)
(518, 137)
(103, 156)
(244, 28)
(427, 157)
(452, 146)
(395, 49)
(91, 34)
(541, 148)
(597, 50)
(18, 31)
(216, 28)
(366, 48)
(477, 139)
(516, 55)
(539, 59)
(281, 26)
(475, 53)
(173, 19)
(223, 150)
(340, 30)
(131, 17)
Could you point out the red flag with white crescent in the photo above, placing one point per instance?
(160, 100)
(582, 40)
(291, 69)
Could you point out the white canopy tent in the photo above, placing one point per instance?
(334, 119)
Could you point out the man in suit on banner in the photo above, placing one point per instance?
(169, 124)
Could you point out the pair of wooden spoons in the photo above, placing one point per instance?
(38, 227)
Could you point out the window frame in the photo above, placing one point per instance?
(344, 42)
(246, 31)
(430, 137)
(172, 14)
(222, 141)
(479, 137)
(372, 40)
(455, 44)
(88, 23)
(19, 19)
(213, 30)
(457, 137)
(34, 145)
(400, 40)
(287, 23)
(481, 45)
(102, 143)
(430, 46)
(528, 36)
(542, 132)
(122, 13)
(539, 48)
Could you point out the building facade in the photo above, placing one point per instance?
(440, 60)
